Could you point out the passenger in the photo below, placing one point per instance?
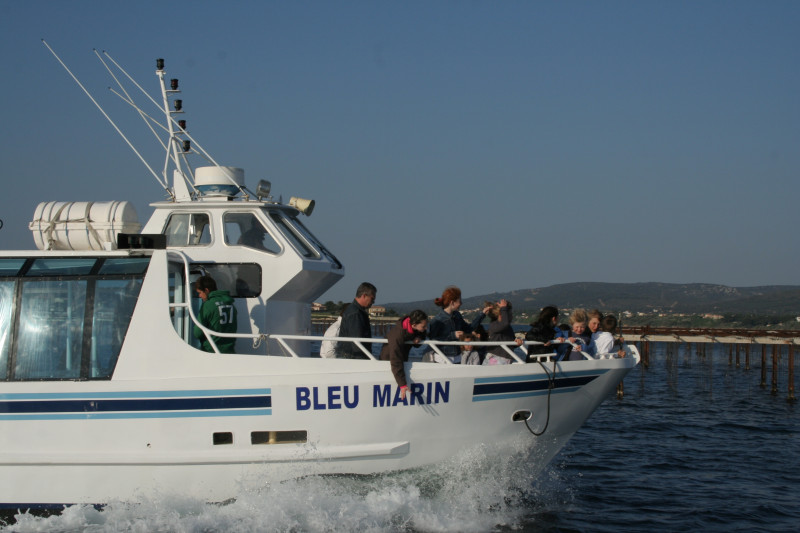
(481, 335)
(500, 330)
(409, 328)
(593, 324)
(355, 323)
(543, 330)
(469, 355)
(449, 325)
(603, 340)
(217, 314)
(253, 237)
(327, 348)
(578, 334)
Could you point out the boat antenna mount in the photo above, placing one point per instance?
(107, 117)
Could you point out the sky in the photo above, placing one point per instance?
(494, 146)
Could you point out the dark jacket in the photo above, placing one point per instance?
(355, 323)
(396, 350)
(443, 327)
(217, 314)
(501, 330)
(540, 332)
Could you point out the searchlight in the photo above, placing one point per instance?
(262, 189)
(303, 205)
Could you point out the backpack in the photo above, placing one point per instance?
(328, 347)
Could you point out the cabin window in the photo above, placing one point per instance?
(244, 229)
(222, 438)
(316, 242)
(114, 300)
(188, 229)
(124, 265)
(177, 295)
(10, 267)
(6, 313)
(45, 266)
(294, 236)
(278, 437)
(242, 280)
(60, 319)
(51, 327)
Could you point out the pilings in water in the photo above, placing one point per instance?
(738, 344)
(791, 373)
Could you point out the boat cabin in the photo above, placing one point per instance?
(65, 308)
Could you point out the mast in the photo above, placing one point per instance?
(178, 147)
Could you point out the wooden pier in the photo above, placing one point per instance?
(744, 343)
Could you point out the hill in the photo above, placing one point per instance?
(639, 298)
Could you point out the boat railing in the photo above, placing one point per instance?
(256, 337)
(359, 341)
(507, 346)
(259, 338)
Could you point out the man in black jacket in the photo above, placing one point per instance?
(355, 323)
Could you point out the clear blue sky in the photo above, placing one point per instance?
(490, 145)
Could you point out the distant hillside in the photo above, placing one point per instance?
(693, 298)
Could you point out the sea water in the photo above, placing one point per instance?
(694, 444)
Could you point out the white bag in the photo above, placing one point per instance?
(328, 347)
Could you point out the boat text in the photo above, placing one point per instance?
(347, 396)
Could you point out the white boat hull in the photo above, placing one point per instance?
(125, 440)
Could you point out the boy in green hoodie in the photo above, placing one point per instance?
(217, 314)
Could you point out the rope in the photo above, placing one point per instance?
(552, 383)
(51, 226)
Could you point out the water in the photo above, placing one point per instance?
(695, 444)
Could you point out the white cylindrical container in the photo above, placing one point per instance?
(82, 225)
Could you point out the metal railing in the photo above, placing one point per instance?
(259, 338)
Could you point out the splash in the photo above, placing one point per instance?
(478, 489)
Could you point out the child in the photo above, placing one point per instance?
(593, 323)
(578, 333)
(469, 355)
(602, 345)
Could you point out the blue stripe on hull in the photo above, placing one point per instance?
(523, 386)
(133, 394)
(135, 404)
(112, 416)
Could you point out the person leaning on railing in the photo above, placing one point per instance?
(410, 328)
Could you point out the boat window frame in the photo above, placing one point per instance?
(191, 213)
(265, 227)
(294, 236)
(203, 266)
(313, 238)
(90, 308)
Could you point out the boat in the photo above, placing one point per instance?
(105, 394)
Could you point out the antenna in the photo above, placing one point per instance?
(107, 117)
(179, 143)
